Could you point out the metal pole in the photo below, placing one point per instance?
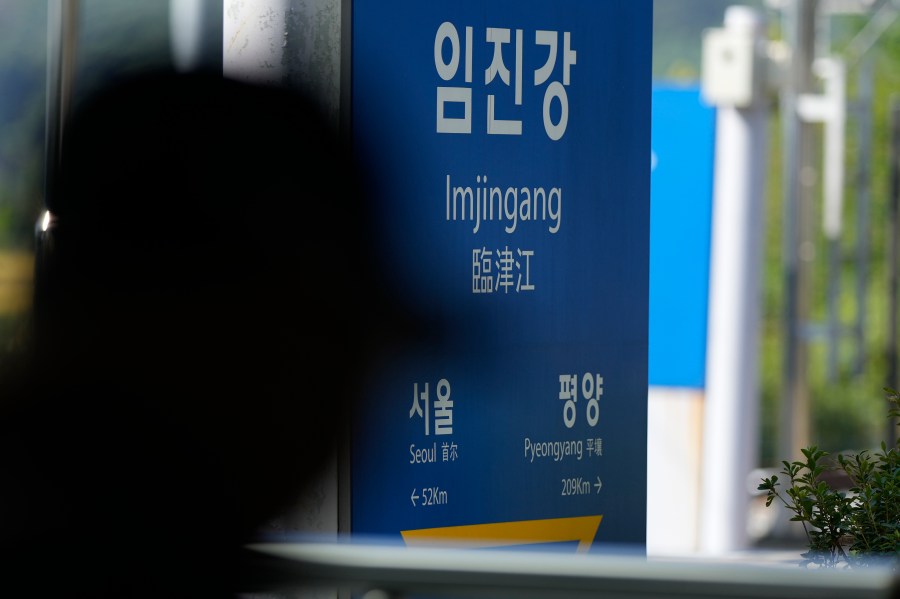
(295, 44)
(730, 437)
(863, 185)
(833, 295)
(62, 33)
(195, 33)
(894, 226)
(834, 72)
(798, 248)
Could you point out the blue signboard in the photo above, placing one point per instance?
(509, 141)
(683, 146)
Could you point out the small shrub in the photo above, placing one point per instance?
(856, 528)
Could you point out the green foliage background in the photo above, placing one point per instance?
(846, 407)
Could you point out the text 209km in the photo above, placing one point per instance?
(575, 486)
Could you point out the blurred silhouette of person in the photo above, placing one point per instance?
(207, 304)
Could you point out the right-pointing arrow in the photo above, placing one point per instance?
(598, 484)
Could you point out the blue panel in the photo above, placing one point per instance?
(542, 276)
(683, 143)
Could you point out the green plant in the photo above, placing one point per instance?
(857, 527)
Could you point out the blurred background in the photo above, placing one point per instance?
(825, 344)
(847, 406)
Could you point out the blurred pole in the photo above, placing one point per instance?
(830, 109)
(195, 33)
(295, 43)
(833, 328)
(730, 437)
(863, 176)
(62, 34)
(799, 250)
(894, 226)
(254, 40)
(834, 72)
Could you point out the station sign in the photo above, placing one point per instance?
(509, 142)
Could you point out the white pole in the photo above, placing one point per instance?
(830, 108)
(295, 44)
(186, 28)
(62, 37)
(254, 40)
(730, 437)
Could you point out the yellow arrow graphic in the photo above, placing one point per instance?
(505, 534)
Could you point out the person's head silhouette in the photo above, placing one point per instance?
(205, 312)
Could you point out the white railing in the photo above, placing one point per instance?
(390, 571)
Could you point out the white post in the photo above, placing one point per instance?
(830, 108)
(734, 68)
(62, 38)
(295, 44)
(254, 40)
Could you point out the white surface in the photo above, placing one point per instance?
(730, 437)
(674, 434)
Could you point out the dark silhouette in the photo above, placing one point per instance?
(207, 305)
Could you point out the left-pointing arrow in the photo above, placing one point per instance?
(413, 497)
